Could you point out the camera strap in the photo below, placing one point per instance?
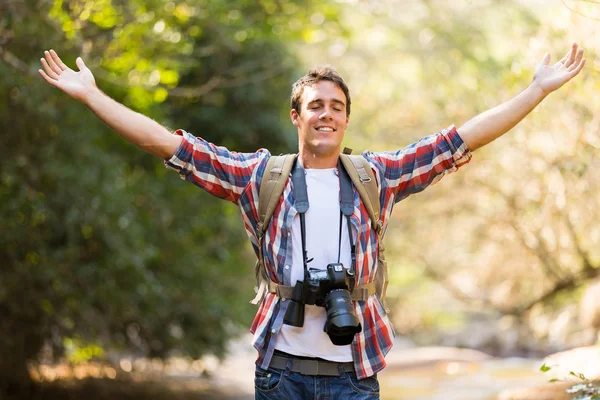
(301, 197)
(346, 208)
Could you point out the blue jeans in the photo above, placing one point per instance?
(277, 384)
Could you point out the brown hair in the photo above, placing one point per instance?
(317, 74)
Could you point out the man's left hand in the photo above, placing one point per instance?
(551, 77)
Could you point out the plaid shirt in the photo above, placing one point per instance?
(237, 177)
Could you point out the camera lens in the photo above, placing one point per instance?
(294, 315)
(342, 323)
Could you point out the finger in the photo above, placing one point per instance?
(576, 70)
(57, 60)
(47, 78)
(572, 55)
(567, 56)
(48, 70)
(577, 61)
(51, 63)
(546, 59)
(80, 64)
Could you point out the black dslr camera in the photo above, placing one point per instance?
(330, 288)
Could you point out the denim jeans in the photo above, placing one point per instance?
(277, 384)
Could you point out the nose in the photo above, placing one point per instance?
(326, 114)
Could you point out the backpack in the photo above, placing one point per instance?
(276, 173)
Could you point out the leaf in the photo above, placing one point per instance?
(545, 368)
(553, 380)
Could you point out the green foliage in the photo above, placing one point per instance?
(98, 241)
(545, 368)
(79, 352)
(586, 390)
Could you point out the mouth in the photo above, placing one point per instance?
(325, 129)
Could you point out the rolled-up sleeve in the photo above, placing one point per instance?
(423, 163)
(217, 170)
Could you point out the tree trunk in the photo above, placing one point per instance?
(21, 342)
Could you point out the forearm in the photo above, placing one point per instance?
(132, 126)
(495, 122)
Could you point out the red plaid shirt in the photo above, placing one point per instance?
(237, 178)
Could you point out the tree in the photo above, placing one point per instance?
(101, 247)
(513, 230)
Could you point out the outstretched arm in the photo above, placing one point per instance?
(134, 127)
(493, 123)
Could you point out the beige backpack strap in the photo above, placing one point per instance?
(276, 173)
(261, 281)
(362, 176)
(381, 277)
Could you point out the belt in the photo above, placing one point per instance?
(310, 366)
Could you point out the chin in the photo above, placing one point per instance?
(325, 148)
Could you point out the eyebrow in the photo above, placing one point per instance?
(332, 100)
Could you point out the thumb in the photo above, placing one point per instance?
(80, 64)
(546, 59)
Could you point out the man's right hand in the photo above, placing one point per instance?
(76, 84)
(132, 126)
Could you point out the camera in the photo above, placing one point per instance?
(330, 288)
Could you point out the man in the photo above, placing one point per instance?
(301, 362)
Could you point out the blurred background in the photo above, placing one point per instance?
(113, 270)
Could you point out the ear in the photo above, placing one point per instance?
(347, 121)
(294, 116)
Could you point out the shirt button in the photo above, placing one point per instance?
(287, 267)
(273, 331)
(283, 299)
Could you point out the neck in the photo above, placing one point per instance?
(318, 161)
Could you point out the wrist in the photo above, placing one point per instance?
(91, 96)
(537, 89)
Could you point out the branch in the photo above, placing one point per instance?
(566, 284)
(455, 291)
(258, 77)
(197, 91)
(15, 62)
(588, 270)
(587, 264)
(540, 251)
(217, 81)
(223, 82)
(589, 1)
(579, 12)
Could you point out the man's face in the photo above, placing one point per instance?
(322, 119)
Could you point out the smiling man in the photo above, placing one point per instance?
(300, 360)
(321, 112)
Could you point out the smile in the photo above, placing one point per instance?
(325, 129)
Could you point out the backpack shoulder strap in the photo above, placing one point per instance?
(277, 171)
(362, 177)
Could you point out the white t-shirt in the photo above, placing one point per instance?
(322, 236)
